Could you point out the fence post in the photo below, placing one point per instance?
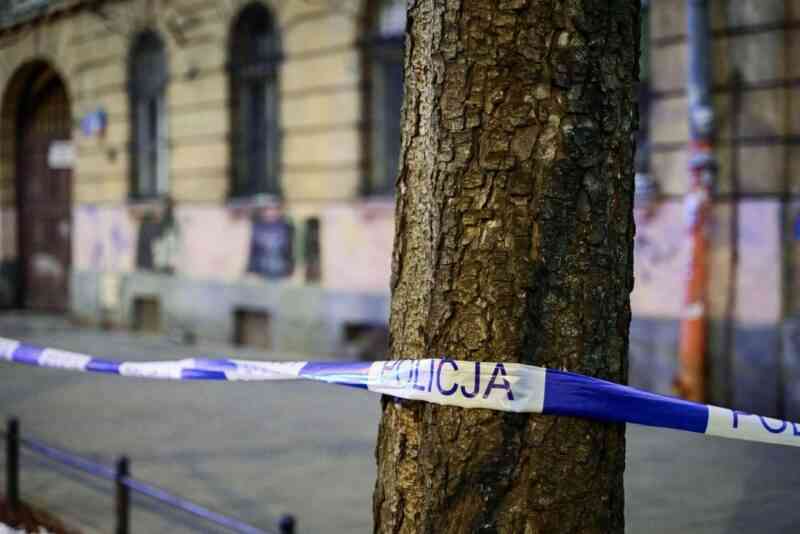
(286, 524)
(12, 463)
(122, 504)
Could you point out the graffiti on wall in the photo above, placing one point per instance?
(271, 244)
(660, 259)
(103, 238)
(651, 254)
(338, 247)
(158, 244)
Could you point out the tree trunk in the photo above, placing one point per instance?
(514, 243)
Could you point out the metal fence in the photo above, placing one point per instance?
(124, 485)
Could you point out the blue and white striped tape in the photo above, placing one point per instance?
(510, 387)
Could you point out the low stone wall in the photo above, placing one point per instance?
(303, 319)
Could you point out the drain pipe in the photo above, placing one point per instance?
(690, 382)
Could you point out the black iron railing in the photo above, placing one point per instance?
(124, 485)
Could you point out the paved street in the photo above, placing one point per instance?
(256, 451)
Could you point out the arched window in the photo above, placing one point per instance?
(383, 60)
(254, 62)
(147, 81)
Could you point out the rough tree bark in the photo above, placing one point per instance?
(514, 242)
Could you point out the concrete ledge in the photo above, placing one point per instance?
(304, 319)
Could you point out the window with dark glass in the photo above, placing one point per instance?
(383, 59)
(147, 85)
(255, 57)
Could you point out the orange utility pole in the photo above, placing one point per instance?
(691, 379)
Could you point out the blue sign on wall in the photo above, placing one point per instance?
(94, 123)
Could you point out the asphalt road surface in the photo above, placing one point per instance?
(256, 451)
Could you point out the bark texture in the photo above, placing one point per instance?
(514, 242)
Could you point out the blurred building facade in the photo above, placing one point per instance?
(225, 170)
(754, 274)
(220, 169)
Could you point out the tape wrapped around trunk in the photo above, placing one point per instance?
(510, 387)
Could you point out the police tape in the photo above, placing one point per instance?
(509, 387)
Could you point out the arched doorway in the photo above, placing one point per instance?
(43, 183)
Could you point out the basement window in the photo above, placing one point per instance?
(252, 328)
(147, 315)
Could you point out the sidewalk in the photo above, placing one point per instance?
(251, 450)
(256, 450)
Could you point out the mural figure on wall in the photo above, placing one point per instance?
(159, 241)
(271, 244)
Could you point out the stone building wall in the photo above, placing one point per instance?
(322, 169)
(755, 277)
(756, 96)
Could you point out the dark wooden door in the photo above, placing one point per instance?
(44, 189)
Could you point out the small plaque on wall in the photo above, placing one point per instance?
(61, 155)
